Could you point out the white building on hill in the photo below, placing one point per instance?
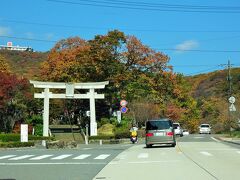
(10, 46)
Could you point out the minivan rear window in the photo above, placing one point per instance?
(158, 125)
(205, 126)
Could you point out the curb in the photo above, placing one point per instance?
(228, 141)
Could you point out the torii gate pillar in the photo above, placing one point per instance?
(91, 95)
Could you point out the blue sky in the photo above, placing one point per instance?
(197, 41)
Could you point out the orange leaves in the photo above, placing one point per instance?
(142, 57)
(64, 56)
(175, 112)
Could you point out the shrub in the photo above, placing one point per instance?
(122, 133)
(16, 144)
(35, 119)
(103, 137)
(38, 130)
(16, 138)
(106, 129)
(235, 134)
(9, 137)
(103, 121)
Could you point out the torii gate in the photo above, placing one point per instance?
(46, 95)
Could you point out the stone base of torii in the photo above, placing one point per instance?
(69, 87)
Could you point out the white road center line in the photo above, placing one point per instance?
(61, 156)
(206, 153)
(41, 157)
(21, 157)
(102, 156)
(83, 156)
(142, 155)
(7, 156)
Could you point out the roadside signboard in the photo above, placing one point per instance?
(124, 109)
(232, 107)
(232, 99)
(119, 116)
(24, 133)
(123, 103)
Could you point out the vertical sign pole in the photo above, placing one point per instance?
(93, 123)
(46, 112)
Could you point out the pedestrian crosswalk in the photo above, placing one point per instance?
(52, 157)
(75, 157)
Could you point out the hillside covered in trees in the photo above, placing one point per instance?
(136, 73)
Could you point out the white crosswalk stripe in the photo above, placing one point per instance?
(83, 156)
(41, 157)
(102, 156)
(61, 156)
(7, 156)
(21, 157)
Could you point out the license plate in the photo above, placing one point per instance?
(159, 134)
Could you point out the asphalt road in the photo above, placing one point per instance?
(63, 164)
(195, 157)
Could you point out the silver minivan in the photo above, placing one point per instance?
(160, 131)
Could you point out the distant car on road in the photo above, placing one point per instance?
(160, 131)
(185, 132)
(204, 129)
(177, 129)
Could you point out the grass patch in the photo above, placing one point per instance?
(235, 134)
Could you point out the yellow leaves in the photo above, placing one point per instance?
(4, 67)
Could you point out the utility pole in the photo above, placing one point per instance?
(229, 78)
(229, 94)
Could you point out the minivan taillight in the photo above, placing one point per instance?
(169, 133)
(149, 134)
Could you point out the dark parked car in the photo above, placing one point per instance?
(160, 131)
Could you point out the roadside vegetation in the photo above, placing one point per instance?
(13, 140)
(135, 72)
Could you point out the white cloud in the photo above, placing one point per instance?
(4, 31)
(187, 45)
(49, 36)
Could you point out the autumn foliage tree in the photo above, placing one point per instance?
(14, 97)
(133, 69)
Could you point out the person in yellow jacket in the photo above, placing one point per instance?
(133, 134)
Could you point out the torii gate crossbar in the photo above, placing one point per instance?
(47, 95)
